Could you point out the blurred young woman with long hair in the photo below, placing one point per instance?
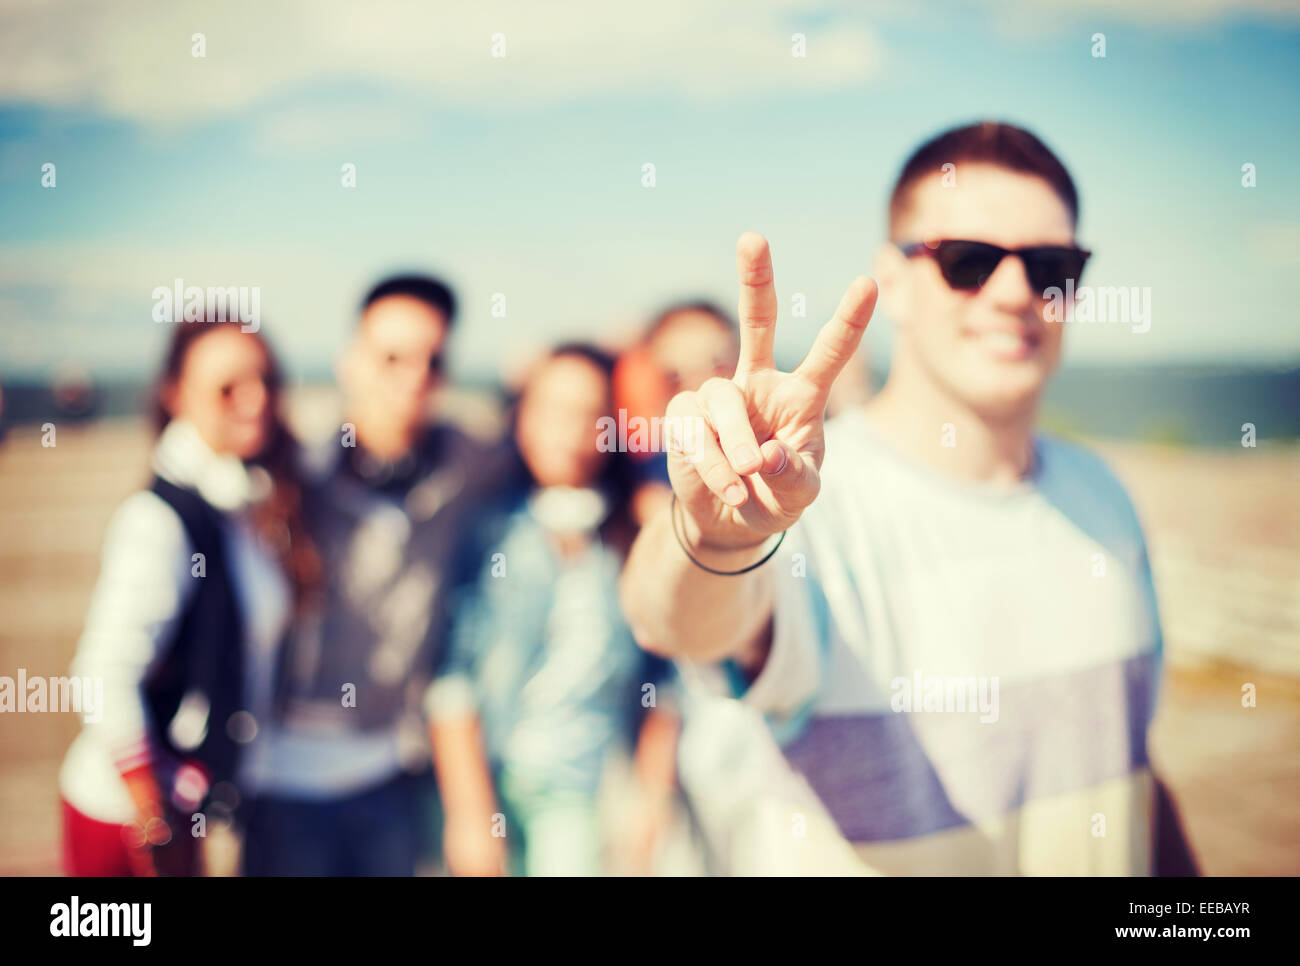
(543, 678)
(200, 574)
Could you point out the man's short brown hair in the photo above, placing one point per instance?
(985, 142)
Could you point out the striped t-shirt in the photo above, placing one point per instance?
(964, 674)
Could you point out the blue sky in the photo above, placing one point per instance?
(522, 175)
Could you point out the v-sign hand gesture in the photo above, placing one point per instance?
(752, 463)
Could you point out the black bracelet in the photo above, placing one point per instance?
(721, 573)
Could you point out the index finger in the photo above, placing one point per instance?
(757, 308)
(839, 338)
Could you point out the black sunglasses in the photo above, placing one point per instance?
(967, 265)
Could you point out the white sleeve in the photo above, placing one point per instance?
(144, 582)
(791, 675)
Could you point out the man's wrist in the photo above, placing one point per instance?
(717, 557)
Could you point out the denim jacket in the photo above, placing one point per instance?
(541, 652)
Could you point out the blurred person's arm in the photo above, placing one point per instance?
(149, 813)
(656, 779)
(144, 581)
(468, 798)
(460, 760)
(656, 752)
(752, 468)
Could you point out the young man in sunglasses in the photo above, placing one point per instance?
(957, 641)
(347, 766)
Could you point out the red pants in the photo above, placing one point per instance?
(93, 848)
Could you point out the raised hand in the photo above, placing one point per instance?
(749, 449)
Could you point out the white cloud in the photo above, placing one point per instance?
(134, 59)
(309, 128)
(1167, 13)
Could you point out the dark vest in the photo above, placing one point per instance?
(206, 655)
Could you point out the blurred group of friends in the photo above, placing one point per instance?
(287, 630)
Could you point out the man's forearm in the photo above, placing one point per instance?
(680, 610)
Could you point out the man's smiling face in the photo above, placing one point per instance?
(989, 348)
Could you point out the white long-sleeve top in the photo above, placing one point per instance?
(146, 580)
